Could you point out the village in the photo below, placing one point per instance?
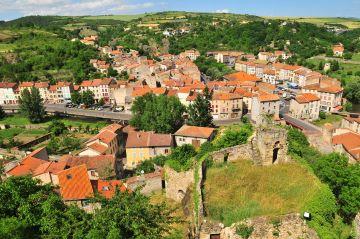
(261, 89)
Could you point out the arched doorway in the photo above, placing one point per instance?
(276, 152)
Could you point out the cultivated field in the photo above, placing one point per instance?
(351, 23)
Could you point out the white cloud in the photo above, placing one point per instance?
(71, 7)
(222, 11)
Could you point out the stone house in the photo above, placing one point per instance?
(305, 106)
(141, 146)
(267, 56)
(351, 123)
(194, 135)
(265, 104)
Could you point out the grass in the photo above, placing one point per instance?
(6, 47)
(115, 17)
(356, 57)
(10, 133)
(330, 118)
(257, 191)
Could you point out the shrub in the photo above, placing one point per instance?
(146, 166)
(234, 136)
(181, 158)
(244, 231)
(322, 115)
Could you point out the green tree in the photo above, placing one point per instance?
(112, 72)
(234, 135)
(101, 102)
(146, 166)
(130, 215)
(31, 105)
(2, 113)
(352, 91)
(322, 115)
(200, 110)
(57, 127)
(348, 106)
(161, 114)
(87, 98)
(181, 158)
(76, 98)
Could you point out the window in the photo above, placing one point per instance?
(93, 173)
(166, 151)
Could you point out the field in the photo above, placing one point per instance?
(257, 191)
(115, 17)
(351, 23)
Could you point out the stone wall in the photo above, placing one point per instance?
(289, 226)
(260, 148)
(177, 183)
(357, 226)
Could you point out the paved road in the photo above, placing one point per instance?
(60, 108)
(301, 124)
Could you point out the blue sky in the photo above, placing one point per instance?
(11, 9)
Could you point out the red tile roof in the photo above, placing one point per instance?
(102, 164)
(75, 183)
(331, 89)
(241, 76)
(50, 167)
(7, 85)
(108, 188)
(306, 98)
(268, 97)
(100, 148)
(148, 139)
(30, 163)
(351, 143)
(226, 96)
(194, 131)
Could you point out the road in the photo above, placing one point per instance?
(301, 124)
(61, 109)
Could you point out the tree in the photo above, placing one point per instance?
(2, 113)
(57, 127)
(130, 215)
(322, 115)
(347, 56)
(181, 158)
(234, 135)
(76, 98)
(101, 102)
(200, 110)
(352, 91)
(31, 105)
(112, 72)
(348, 106)
(87, 98)
(161, 114)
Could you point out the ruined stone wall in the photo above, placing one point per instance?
(260, 149)
(289, 226)
(177, 183)
(357, 226)
(268, 140)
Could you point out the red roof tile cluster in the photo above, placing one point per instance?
(226, 96)
(330, 89)
(194, 131)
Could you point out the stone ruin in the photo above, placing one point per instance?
(268, 146)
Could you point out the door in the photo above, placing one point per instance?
(215, 236)
(196, 143)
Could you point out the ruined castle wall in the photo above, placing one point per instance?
(177, 183)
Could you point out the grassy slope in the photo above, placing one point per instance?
(115, 17)
(253, 191)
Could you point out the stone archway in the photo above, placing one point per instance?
(276, 152)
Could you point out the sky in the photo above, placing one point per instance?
(12, 9)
